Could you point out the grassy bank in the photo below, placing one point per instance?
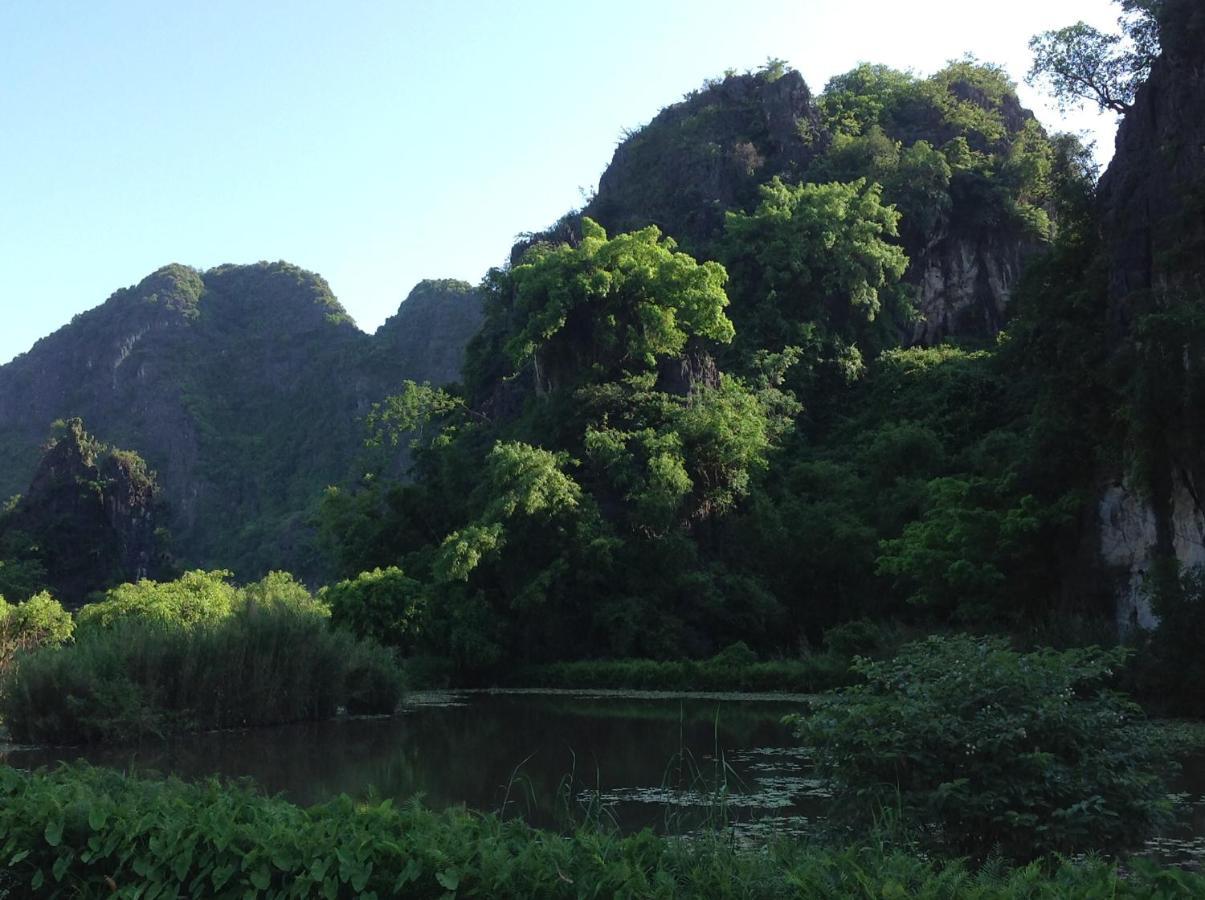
(797, 676)
(91, 832)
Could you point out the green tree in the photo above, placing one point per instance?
(194, 597)
(383, 604)
(815, 267)
(618, 304)
(1081, 64)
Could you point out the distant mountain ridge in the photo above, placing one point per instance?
(242, 386)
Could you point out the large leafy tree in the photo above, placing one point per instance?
(817, 268)
(1082, 64)
(560, 504)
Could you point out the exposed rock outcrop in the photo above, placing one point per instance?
(709, 154)
(964, 284)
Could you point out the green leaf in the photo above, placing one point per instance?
(261, 878)
(449, 880)
(54, 832)
(221, 875)
(60, 867)
(97, 818)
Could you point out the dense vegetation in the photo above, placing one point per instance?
(195, 654)
(92, 518)
(656, 457)
(89, 832)
(241, 386)
(702, 440)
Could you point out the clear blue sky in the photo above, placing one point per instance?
(379, 143)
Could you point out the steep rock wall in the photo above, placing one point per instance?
(1153, 208)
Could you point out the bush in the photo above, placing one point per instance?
(373, 679)
(861, 637)
(90, 832)
(1025, 754)
(280, 590)
(260, 665)
(40, 621)
(1169, 668)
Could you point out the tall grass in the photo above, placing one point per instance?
(260, 665)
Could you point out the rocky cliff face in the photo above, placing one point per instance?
(243, 386)
(93, 514)
(1153, 207)
(432, 328)
(708, 154)
(964, 284)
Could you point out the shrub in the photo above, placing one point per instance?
(1027, 754)
(80, 831)
(281, 590)
(40, 620)
(260, 665)
(861, 637)
(373, 680)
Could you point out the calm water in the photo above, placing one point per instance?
(670, 762)
(646, 760)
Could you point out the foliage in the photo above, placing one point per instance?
(955, 556)
(1022, 754)
(39, 621)
(1081, 64)
(384, 605)
(259, 665)
(193, 598)
(814, 264)
(93, 832)
(595, 442)
(729, 670)
(1167, 667)
(155, 658)
(22, 572)
(615, 304)
(952, 151)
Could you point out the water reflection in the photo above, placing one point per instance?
(526, 754)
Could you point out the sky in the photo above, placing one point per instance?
(380, 143)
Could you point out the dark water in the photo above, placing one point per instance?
(673, 763)
(642, 761)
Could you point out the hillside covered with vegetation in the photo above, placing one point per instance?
(881, 393)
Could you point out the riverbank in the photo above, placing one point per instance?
(95, 832)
